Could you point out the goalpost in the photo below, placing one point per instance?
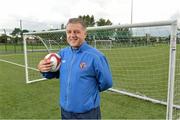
(142, 58)
(36, 46)
(103, 44)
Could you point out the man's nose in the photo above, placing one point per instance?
(73, 34)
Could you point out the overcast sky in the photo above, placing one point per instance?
(52, 13)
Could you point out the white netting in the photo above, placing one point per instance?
(138, 56)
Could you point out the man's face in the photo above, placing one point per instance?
(76, 34)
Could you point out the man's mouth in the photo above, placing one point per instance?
(73, 39)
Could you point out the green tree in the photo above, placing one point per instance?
(62, 26)
(16, 31)
(89, 20)
(3, 38)
(25, 31)
(102, 22)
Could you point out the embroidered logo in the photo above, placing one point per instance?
(63, 61)
(83, 65)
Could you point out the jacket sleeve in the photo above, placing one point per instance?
(103, 73)
(50, 75)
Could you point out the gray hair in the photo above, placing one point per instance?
(77, 20)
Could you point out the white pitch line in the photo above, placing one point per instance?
(11, 54)
(20, 65)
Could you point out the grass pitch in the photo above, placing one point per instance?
(131, 67)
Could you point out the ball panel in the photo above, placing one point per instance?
(55, 61)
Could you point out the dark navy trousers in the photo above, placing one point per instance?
(92, 114)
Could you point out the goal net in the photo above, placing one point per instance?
(36, 46)
(103, 44)
(141, 57)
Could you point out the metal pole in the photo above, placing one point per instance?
(21, 34)
(20, 24)
(25, 59)
(131, 31)
(5, 40)
(131, 11)
(172, 61)
(4, 31)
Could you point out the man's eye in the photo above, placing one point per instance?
(68, 32)
(76, 32)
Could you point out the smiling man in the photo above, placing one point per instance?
(84, 73)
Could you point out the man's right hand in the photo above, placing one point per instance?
(44, 65)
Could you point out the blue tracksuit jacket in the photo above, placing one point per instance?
(84, 73)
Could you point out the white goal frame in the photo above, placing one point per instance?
(104, 48)
(172, 61)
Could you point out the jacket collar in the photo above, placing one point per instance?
(83, 47)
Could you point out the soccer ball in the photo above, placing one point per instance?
(55, 61)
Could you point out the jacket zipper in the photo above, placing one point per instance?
(69, 78)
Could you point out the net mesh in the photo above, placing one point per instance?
(138, 57)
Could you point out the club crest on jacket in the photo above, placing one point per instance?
(83, 65)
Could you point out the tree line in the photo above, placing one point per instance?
(90, 21)
(16, 34)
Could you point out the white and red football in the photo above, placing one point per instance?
(55, 61)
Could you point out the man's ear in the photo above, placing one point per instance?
(85, 34)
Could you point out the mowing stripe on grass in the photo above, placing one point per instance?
(11, 54)
(20, 65)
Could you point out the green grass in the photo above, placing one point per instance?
(41, 100)
(11, 48)
(142, 70)
(19, 100)
(15, 48)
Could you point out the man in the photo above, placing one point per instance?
(84, 73)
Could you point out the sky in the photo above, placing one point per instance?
(45, 14)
